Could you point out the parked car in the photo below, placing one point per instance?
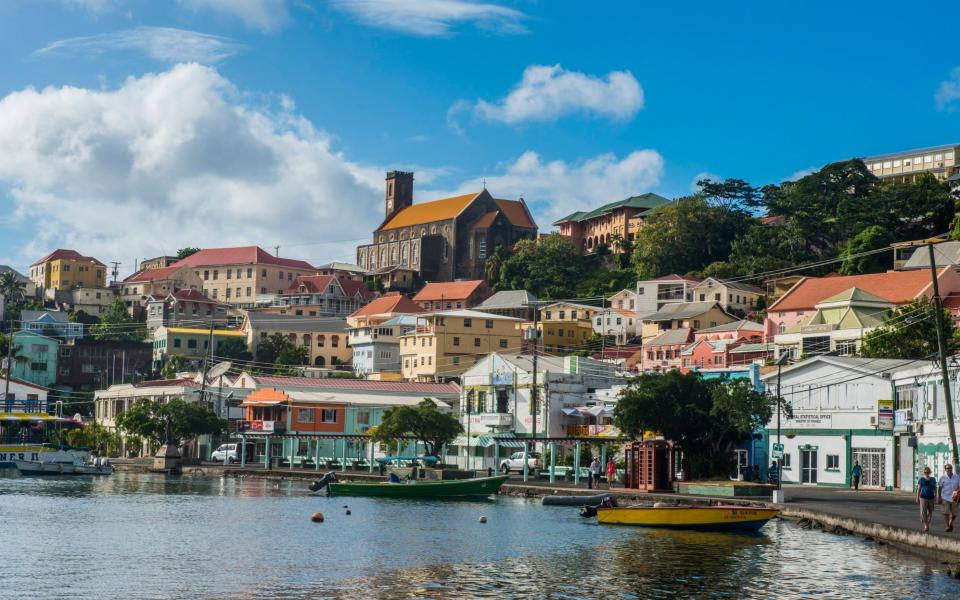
(226, 452)
(515, 462)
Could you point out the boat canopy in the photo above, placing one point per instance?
(485, 441)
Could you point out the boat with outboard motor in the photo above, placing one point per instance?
(93, 466)
(701, 517)
(480, 487)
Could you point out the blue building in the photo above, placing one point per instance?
(50, 323)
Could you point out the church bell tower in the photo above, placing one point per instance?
(399, 192)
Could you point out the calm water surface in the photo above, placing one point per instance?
(147, 536)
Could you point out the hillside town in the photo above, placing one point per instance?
(435, 307)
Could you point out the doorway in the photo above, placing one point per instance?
(808, 465)
(874, 464)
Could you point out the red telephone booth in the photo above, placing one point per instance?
(650, 465)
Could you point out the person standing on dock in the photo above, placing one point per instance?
(595, 473)
(926, 495)
(611, 473)
(949, 483)
(857, 472)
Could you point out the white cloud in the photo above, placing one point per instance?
(265, 15)
(93, 6)
(949, 91)
(557, 188)
(433, 18)
(546, 93)
(800, 174)
(159, 43)
(174, 159)
(694, 188)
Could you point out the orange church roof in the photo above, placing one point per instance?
(428, 212)
(516, 212)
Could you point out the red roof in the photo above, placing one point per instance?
(896, 286)
(358, 384)
(242, 255)
(448, 290)
(315, 284)
(352, 287)
(388, 303)
(486, 220)
(61, 253)
(516, 212)
(193, 296)
(152, 274)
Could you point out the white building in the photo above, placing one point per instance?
(653, 294)
(842, 414)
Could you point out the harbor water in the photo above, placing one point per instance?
(150, 536)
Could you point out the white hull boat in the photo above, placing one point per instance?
(37, 467)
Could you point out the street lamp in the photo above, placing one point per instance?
(784, 357)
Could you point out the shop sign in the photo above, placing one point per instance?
(885, 414)
(812, 419)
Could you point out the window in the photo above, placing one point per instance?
(468, 322)
(456, 360)
(786, 460)
(263, 272)
(229, 274)
(206, 275)
(503, 343)
(599, 321)
(549, 315)
(488, 324)
(215, 274)
(304, 415)
(176, 342)
(320, 340)
(563, 314)
(263, 290)
(483, 248)
(833, 462)
(476, 342)
(456, 341)
(328, 415)
(696, 324)
(846, 347)
(249, 273)
(38, 366)
(619, 321)
(192, 344)
(280, 273)
(363, 417)
(248, 291)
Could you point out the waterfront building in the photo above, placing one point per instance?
(895, 287)
(446, 343)
(85, 364)
(185, 308)
(733, 296)
(51, 323)
(510, 303)
(452, 295)
(65, 269)
(943, 162)
(38, 358)
(565, 326)
(608, 224)
(496, 402)
(192, 343)
(376, 347)
(23, 396)
(238, 275)
(654, 294)
(447, 239)
(325, 338)
(842, 413)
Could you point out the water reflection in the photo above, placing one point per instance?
(149, 536)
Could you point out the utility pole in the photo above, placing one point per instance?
(8, 363)
(116, 270)
(534, 396)
(603, 326)
(942, 353)
(206, 365)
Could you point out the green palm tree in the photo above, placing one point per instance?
(10, 286)
(16, 354)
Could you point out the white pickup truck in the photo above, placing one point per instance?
(515, 463)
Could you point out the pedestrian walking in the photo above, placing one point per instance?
(595, 473)
(949, 484)
(611, 473)
(926, 495)
(857, 472)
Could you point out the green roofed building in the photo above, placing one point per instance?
(603, 225)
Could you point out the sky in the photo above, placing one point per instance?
(132, 128)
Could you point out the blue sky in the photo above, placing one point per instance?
(130, 128)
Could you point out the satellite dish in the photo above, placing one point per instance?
(219, 369)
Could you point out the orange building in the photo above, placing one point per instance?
(603, 225)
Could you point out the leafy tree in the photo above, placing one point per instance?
(914, 210)
(874, 237)
(294, 356)
(16, 353)
(732, 194)
(424, 421)
(234, 349)
(185, 252)
(95, 436)
(184, 420)
(707, 418)
(604, 282)
(910, 332)
(117, 324)
(173, 365)
(279, 351)
(81, 316)
(494, 264)
(549, 267)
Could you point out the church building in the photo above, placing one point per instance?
(445, 239)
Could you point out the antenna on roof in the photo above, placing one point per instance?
(276, 251)
(484, 182)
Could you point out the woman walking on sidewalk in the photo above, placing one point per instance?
(926, 495)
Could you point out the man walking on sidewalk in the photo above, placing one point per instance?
(857, 472)
(949, 483)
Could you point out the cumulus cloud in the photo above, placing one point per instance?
(557, 188)
(546, 93)
(165, 44)
(174, 159)
(702, 175)
(949, 92)
(433, 18)
(265, 15)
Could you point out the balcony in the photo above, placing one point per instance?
(496, 419)
(903, 419)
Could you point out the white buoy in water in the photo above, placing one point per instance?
(483, 519)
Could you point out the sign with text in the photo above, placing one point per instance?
(811, 419)
(778, 451)
(885, 414)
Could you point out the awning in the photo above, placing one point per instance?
(486, 441)
(511, 444)
(572, 412)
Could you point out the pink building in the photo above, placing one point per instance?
(662, 353)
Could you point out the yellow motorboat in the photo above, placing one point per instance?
(716, 518)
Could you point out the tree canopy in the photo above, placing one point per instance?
(278, 351)
(234, 349)
(424, 421)
(149, 419)
(117, 324)
(549, 267)
(910, 332)
(185, 252)
(708, 418)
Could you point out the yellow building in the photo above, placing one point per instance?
(191, 343)
(325, 338)
(566, 326)
(446, 343)
(63, 270)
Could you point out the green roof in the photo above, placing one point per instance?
(855, 294)
(646, 202)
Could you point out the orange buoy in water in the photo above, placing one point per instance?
(317, 517)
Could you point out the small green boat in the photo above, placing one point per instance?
(455, 488)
